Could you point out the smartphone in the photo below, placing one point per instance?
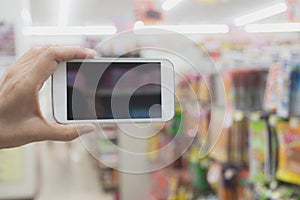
(113, 90)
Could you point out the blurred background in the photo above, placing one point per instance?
(255, 47)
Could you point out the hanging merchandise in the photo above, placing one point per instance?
(248, 89)
(289, 150)
(258, 147)
(272, 88)
(284, 90)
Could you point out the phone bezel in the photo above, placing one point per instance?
(59, 91)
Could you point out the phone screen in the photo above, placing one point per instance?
(113, 90)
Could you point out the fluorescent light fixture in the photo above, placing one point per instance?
(273, 28)
(69, 30)
(63, 12)
(169, 4)
(260, 14)
(184, 29)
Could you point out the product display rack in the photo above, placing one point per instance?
(246, 161)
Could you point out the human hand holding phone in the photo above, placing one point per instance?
(21, 120)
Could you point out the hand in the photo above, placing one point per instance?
(21, 120)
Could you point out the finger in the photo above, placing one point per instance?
(27, 59)
(48, 61)
(65, 53)
(61, 132)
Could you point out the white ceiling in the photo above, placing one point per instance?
(101, 12)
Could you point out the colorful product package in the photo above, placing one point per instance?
(257, 154)
(272, 88)
(289, 151)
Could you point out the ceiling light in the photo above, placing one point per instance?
(273, 28)
(260, 14)
(69, 30)
(185, 29)
(169, 4)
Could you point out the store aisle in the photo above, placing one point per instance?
(67, 173)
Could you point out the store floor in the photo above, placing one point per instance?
(68, 173)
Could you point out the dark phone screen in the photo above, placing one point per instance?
(113, 90)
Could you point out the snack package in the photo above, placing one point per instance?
(257, 152)
(289, 151)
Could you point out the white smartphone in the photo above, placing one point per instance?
(113, 90)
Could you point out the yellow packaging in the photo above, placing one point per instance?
(289, 151)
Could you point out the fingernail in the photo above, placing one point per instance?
(86, 129)
(91, 52)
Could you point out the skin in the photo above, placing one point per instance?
(21, 120)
